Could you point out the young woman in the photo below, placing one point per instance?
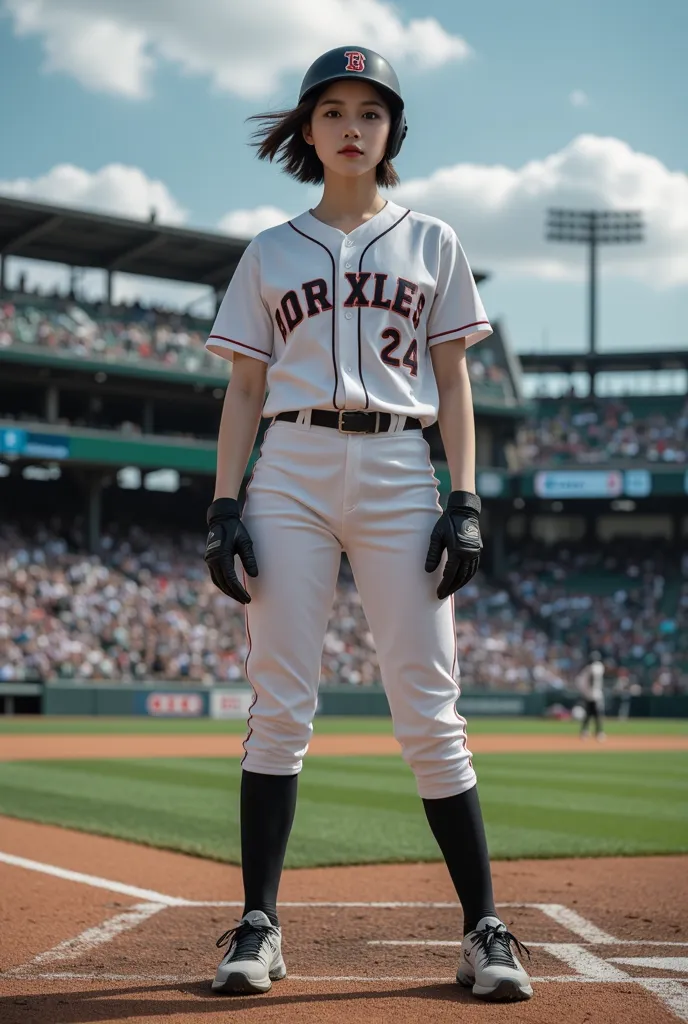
(356, 316)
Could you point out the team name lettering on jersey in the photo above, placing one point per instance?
(410, 288)
(290, 312)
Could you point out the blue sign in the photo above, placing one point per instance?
(14, 441)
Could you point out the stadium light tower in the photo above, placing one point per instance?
(594, 227)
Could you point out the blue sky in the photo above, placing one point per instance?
(580, 104)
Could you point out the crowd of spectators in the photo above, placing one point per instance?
(631, 605)
(144, 608)
(168, 339)
(593, 431)
(171, 340)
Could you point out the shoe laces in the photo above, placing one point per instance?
(495, 942)
(248, 940)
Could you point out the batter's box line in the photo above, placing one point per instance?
(526, 942)
(672, 993)
(315, 979)
(91, 938)
(570, 919)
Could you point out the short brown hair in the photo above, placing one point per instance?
(280, 137)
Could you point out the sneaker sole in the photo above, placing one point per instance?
(238, 983)
(506, 991)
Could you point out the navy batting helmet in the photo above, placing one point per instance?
(358, 62)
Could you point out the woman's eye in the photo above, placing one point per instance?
(371, 114)
(331, 112)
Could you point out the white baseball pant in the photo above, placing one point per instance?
(313, 493)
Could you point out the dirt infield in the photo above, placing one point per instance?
(97, 929)
(72, 747)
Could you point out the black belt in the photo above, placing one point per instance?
(351, 421)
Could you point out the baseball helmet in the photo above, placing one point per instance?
(358, 62)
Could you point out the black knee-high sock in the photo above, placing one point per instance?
(457, 825)
(268, 803)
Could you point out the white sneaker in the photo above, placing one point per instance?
(254, 958)
(601, 737)
(488, 965)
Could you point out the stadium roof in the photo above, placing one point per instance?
(599, 362)
(79, 238)
(82, 239)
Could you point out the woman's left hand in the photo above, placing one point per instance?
(457, 530)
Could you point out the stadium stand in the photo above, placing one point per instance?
(165, 338)
(145, 608)
(595, 431)
(97, 399)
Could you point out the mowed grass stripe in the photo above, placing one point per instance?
(353, 811)
(214, 836)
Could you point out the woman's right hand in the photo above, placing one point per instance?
(228, 537)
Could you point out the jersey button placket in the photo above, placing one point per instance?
(348, 334)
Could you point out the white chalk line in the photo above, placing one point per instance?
(149, 895)
(662, 963)
(573, 922)
(526, 942)
(670, 992)
(585, 962)
(315, 979)
(72, 949)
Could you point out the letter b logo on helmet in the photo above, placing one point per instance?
(356, 60)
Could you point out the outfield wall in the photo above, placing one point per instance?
(181, 700)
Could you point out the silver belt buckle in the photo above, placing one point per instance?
(340, 421)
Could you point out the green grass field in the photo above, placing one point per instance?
(365, 809)
(37, 724)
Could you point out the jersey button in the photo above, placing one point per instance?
(348, 266)
(347, 316)
(348, 243)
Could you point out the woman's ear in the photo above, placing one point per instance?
(307, 133)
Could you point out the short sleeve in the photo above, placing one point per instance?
(457, 310)
(243, 322)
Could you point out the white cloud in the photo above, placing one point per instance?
(115, 188)
(244, 48)
(247, 223)
(578, 98)
(499, 213)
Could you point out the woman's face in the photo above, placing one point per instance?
(349, 128)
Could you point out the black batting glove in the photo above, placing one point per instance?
(457, 530)
(228, 537)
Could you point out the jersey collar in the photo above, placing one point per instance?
(363, 234)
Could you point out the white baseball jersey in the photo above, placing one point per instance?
(591, 682)
(347, 321)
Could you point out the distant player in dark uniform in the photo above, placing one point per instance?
(590, 683)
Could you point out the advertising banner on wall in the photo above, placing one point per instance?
(234, 703)
(591, 483)
(27, 444)
(171, 704)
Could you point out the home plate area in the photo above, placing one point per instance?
(367, 943)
